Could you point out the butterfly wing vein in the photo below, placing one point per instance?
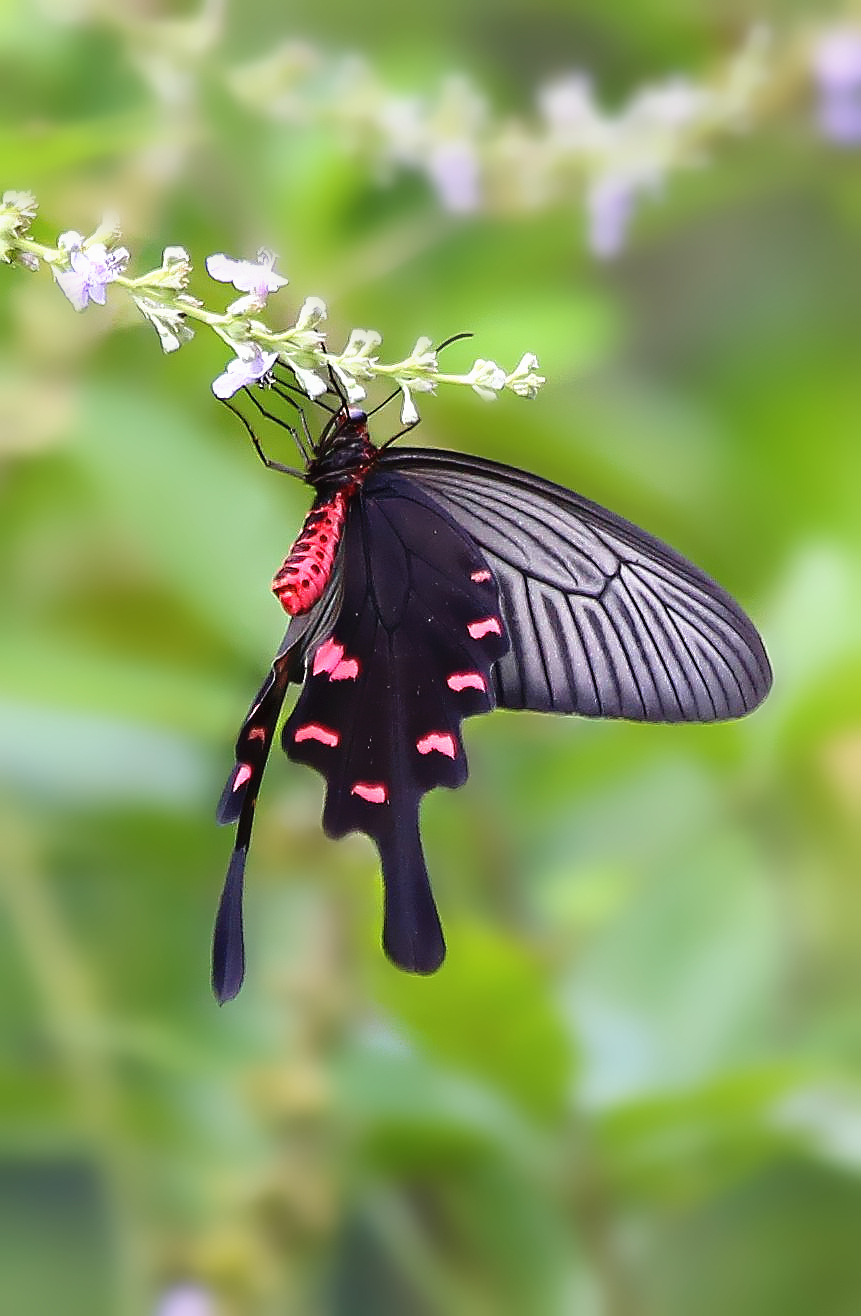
(604, 620)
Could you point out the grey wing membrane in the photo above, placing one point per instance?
(604, 620)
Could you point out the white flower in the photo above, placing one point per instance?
(409, 410)
(569, 109)
(524, 379)
(255, 277)
(249, 365)
(313, 385)
(486, 378)
(357, 357)
(305, 336)
(175, 268)
(354, 390)
(91, 269)
(17, 210)
(423, 355)
(170, 324)
(312, 313)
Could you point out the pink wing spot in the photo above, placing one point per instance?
(440, 741)
(466, 681)
(313, 731)
(257, 733)
(485, 626)
(327, 656)
(374, 794)
(347, 670)
(478, 576)
(244, 772)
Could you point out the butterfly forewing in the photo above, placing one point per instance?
(604, 620)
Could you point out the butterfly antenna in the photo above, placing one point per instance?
(385, 402)
(338, 388)
(455, 338)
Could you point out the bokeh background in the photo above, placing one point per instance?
(635, 1087)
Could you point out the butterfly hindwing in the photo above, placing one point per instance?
(239, 797)
(604, 620)
(410, 655)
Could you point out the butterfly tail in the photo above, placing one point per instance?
(228, 942)
(237, 804)
(412, 933)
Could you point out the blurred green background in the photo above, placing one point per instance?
(635, 1087)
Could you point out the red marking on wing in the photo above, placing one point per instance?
(466, 681)
(347, 670)
(313, 731)
(304, 573)
(257, 733)
(484, 626)
(478, 576)
(440, 741)
(244, 772)
(327, 656)
(374, 793)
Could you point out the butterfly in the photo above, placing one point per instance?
(428, 586)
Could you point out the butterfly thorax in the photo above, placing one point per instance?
(343, 457)
(336, 471)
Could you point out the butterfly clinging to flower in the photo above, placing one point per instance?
(428, 586)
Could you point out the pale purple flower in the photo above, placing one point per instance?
(92, 269)
(246, 368)
(255, 277)
(453, 169)
(837, 70)
(609, 207)
(186, 1300)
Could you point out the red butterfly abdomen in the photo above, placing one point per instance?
(304, 574)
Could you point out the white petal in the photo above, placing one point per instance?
(409, 411)
(313, 311)
(70, 241)
(355, 392)
(311, 382)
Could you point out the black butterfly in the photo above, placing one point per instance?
(428, 586)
